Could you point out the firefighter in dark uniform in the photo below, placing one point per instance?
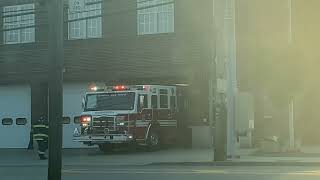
(40, 134)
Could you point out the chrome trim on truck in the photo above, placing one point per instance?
(116, 138)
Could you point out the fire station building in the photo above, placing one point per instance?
(111, 41)
(152, 42)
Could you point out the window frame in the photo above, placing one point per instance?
(153, 19)
(26, 27)
(86, 20)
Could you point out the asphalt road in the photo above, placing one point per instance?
(164, 172)
(84, 164)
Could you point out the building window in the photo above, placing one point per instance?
(155, 16)
(87, 23)
(18, 24)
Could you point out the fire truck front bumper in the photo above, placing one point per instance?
(99, 139)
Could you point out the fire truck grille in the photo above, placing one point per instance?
(103, 123)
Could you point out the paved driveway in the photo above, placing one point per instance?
(71, 157)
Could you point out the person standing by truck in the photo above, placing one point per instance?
(40, 134)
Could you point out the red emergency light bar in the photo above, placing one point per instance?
(95, 88)
(120, 88)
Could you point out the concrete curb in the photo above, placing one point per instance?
(290, 155)
(222, 163)
(237, 163)
(45, 164)
(24, 165)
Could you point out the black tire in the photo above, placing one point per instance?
(106, 148)
(153, 141)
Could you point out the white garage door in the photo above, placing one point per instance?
(72, 108)
(15, 116)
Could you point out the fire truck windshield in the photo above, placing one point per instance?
(110, 101)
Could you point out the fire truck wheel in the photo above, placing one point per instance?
(153, 141)
(106, 148)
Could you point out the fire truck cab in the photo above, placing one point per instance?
(136, 114)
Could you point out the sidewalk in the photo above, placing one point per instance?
(307, 156)
(84, 157)
(311, 151)
(250, 157)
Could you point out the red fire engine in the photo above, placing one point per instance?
(138, 114)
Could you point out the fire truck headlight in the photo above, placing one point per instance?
(121, 124)
(85, 119)
(130, 137)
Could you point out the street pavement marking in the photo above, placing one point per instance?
(192, 171)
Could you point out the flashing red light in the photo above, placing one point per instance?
(85, 119)
(120, 88)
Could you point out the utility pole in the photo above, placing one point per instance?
(55, 13)
(231, 71)
(290, 22)
(291, 124)
(291, 98)
(212, 83)
(218, 67)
